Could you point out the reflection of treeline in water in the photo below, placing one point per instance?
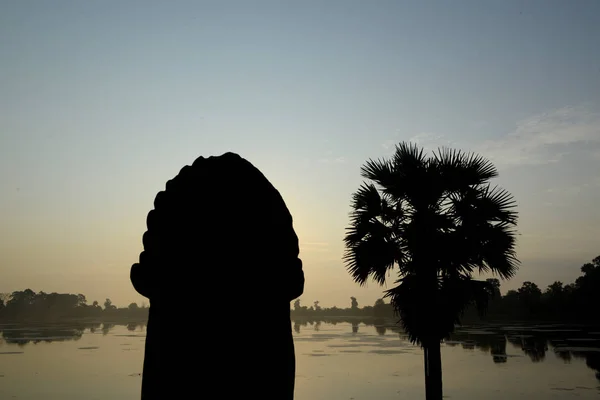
(27, 305)
(535, 341)
(574, 302)
(25, 335)
(382, 325)
(32, 333)
(567, 343)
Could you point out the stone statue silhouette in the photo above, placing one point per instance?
(220, 266)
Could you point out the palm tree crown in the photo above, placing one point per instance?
(437, 220)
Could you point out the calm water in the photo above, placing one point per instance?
(334, 361)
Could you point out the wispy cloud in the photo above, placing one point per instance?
(547, 137)
(575, 190)
(330, 158)
(392, 141)
(389, 144)
(539, 139)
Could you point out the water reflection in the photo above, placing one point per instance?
(106, 328)
(592, 360)
(20, 335)
(535, 342)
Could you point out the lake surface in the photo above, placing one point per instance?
(334, 361)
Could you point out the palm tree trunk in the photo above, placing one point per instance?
(433, 370)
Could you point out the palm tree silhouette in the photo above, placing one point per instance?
(437, 221)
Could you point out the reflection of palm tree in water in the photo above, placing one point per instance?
(564, 355)
(490, 342)
(94, 326)
(354, 327)
(498, 349)
(106, 327)
(495, 345)
(534, 347)
(381, 329)
(592, 360)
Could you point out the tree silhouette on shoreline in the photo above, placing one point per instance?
(436, 220)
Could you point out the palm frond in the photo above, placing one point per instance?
(373, 255)
(457, 253)
(484, 237)
(371, 249)
(460, 293)
(409, 154)
(391, 213)
(367, 199)
(498, 251)
(379, 171)
(496, 205)
(459, 169)
(411, 181)
(480, 166)
(414, 308)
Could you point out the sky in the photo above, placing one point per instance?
(102, 102)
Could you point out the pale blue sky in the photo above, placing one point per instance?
(101, 102)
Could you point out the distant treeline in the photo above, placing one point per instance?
(380, 309)
(574, 302)
(27, 305)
